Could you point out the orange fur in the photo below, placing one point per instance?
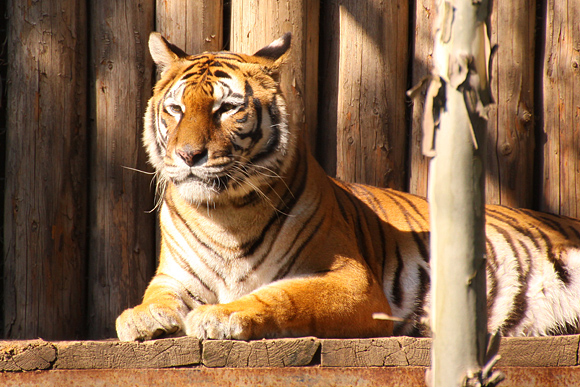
(257, 241)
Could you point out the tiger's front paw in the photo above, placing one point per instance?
(220, 322)
(145, 322)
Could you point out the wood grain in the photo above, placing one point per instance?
(122, 248)
(194, 26)
(172, 352)
(370, 51)
(257, 23)
(510, 128)
(262, 353)
(561, 110)
(425, 12)
(46, 174)
(305, 352)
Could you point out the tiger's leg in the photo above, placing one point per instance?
(338, 303)
(162, 311)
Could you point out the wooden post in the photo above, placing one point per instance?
(458, 94)
(194, 26)
(510, 140)
(122, 247)
(258, 23)
(561, 113)
(510, 132)
(46, 171)
(365, 95)
(422, 63)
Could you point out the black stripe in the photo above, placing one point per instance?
(513, 223)
(192, 74)
(284, 270)
(228, 56)
(160, 143)
(221, 74)
(560, 270)
(340, 191)
(508, 238)
(575, 232)
(256, 133)
(520, 303)
(231, 66)
(182, 263)
(174, 213)
(192, 296)
(405, 199)
(404, 211)
(542, 218)
(356, 220)
(258, 241)
(415, 327)
(396, 290)
(190, 67)
(199, 58)
(274, 140)
(248, 90)
(288, 201)
(421, 244)
(243, 119)
(491, 270)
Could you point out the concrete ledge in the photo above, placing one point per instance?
(558, 351)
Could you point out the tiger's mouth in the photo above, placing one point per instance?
(215, 178)
(227, 181)
(215, 183)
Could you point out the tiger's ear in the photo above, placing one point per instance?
(163, 52)
(275, 52)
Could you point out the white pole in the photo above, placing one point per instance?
(455, 124)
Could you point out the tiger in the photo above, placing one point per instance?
(257, 241)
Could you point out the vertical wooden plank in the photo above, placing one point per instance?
(46, 171)
(3, 68)
(510, 140)
(194, 26)
(370, 91)
(422, 64)
(257, 23)
(122, 247)
(328, 85)
(510, 146)
(561, 109)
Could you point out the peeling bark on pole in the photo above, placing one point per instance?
(456, 100)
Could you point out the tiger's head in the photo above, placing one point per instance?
(216, 124)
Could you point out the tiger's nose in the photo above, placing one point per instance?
(193, 158)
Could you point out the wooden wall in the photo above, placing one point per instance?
(79, 234)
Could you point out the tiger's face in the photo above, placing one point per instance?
(216, 126)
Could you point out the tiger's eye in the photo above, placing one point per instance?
(226, 107)
(173, 109)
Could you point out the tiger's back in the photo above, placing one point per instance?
(533, 261)
(257, 241)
